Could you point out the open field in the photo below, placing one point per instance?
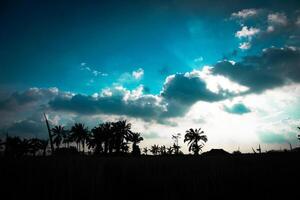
(147, 176)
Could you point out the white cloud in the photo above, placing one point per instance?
(132, 77)
(247, 32)
(217, 83)
(245, 45)
(138, 74)
(245, 13)
(92, 71)
(198, 60)
(270, 29)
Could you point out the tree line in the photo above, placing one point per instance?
(109, 138)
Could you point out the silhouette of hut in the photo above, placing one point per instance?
(216, 152)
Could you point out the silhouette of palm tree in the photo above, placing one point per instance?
(176, 146)
(154, 149)
(170, 150)
(107, 133)
(66, 138)
(162, 150)
(15, 147)
(58, 135)
(43, 144)
(193, 137)
(34, 146)
(124, 147)
(79, 135)
(121, 132)
(145, 150)
(97, 139)
(135, 138)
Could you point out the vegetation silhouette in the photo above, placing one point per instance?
(79, 134)
(58, 132)
(29, 166)
(193, 137)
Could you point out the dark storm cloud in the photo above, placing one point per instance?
(188, 90)
(28, 98)
(238, 109)
(19, 105)
(273, 68)
(179, 92)
(145, 106)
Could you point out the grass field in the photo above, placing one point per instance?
(88, 177)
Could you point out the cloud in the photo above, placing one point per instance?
(151, 135)
(92, 71)
(277, 19)
(28, 128)
(198, 60)
(272, 138)
(272, 26)
(273, 68)
(247, 32)
(133, 77)
(179, 92)
(29, 98)
(245, 45)
(245, 13)
(138, 74)
(117, 100)
(238, 108)
(187, 89)
(20, 105)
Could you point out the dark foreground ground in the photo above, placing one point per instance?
(146, 177)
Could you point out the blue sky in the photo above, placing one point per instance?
(108, 59)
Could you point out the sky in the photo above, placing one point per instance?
(229, 67)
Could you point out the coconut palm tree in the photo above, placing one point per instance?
(145, 150)
(135, 138)
(66, 138)
(34, 146)
(121, 132)
(96, 139)
(107, 133)
(193, 137)
(58, 135)
(124, 147)
(154, 149)
(162, 150)
(170, 150)
(15, 146)
(79, 135)
(176, 146)
(43, 146)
